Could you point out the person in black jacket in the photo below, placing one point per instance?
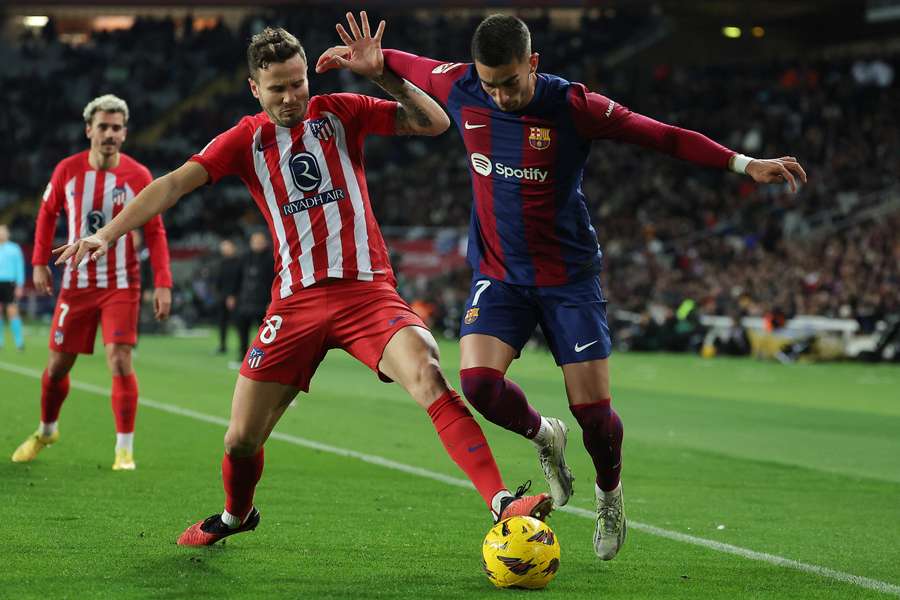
(226, 283)
(257, 271)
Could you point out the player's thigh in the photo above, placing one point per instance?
(291, 342)
(255, 409)
(587, 381)
(119, 316)
(479, 350)
(74, 324)
(497, 322)
(573, 319)
(367, 318)
(411, 356)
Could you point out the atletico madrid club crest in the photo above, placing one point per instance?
(118, 196)
(321, 128)
(254, 357)
(539, 137)
(471, 316)
(58, 337)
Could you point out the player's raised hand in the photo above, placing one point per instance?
(365, 56)
(162, 303)
(95, 245)
(777, 170)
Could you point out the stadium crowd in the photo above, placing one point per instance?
(669, 231)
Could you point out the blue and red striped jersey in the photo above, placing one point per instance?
(530, 223)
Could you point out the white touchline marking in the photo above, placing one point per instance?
(772, 559)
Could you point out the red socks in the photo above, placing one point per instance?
(500, 400)
(240, 474)
(53, 394)
(124, 401)
(465, 443)
(602, 434)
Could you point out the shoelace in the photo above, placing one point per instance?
(520, 491)
(610, 513)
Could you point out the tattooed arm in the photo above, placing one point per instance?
(417, 114)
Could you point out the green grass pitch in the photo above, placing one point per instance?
(800, 462)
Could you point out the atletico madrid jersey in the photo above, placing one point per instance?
(91, 198)
(309, 183)
(530, 223)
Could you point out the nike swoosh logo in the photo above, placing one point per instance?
(580, 348)
(476, 448)
(471, 126)
(260, 148)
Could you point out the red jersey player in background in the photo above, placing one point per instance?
(92, 187)
(302, 161)
(533, 251)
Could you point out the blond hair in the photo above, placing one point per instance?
(105, 103)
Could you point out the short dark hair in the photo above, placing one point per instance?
(271, 45)
(501, 40)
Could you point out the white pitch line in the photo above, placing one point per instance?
(772, 559)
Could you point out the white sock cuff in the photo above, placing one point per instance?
(230, 520)
(543, 435)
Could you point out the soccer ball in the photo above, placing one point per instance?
(520, 552)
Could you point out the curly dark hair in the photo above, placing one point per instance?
(271, 45)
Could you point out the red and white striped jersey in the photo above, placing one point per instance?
(91, 198)
(309, 183)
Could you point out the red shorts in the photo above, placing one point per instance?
(78, 312)
(360, 317)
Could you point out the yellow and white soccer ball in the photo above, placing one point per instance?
(520, 552)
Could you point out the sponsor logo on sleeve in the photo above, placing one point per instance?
(445, 68)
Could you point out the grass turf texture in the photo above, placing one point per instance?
(800, 461)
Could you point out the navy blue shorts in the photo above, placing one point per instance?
(572, 316)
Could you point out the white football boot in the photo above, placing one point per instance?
(552, 455)
(609, 535)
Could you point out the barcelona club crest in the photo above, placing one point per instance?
(539, 137)
(471, 316)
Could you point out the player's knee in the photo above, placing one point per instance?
(120, 362)
(240, 442)
(58, 368)
(481, 386)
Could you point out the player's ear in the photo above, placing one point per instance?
(533, 61)
(87, 130)
(253, 87)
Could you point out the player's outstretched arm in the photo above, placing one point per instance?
(153, 200)
(417, 114)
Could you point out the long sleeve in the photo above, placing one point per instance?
(158, 245)
(434, 77)
(597, 117)
(19, 266)
(51, 204)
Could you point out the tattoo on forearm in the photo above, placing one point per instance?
(403, 93)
